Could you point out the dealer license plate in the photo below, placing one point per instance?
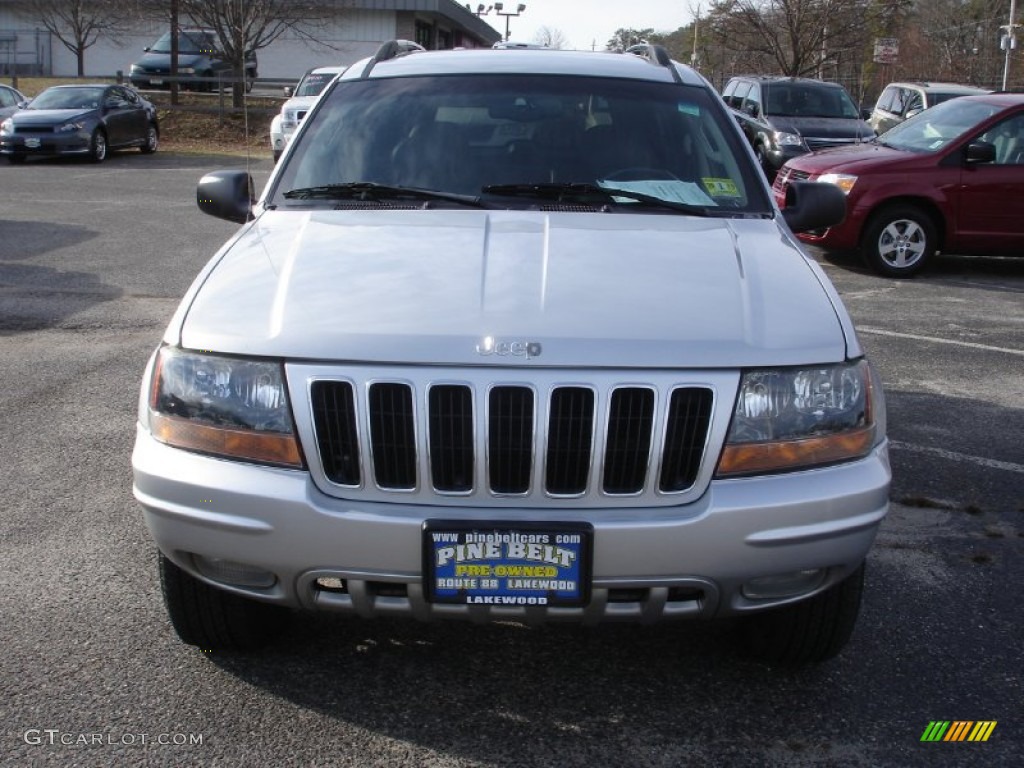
(513, 564)
(156, 82)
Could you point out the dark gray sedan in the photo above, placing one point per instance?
(80, 120)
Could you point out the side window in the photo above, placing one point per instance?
(6, 98)
(730, 88)
(914, 100)
(739, 95)
(899, 101)
(752, 102)
(1008, 138)
(886, 99)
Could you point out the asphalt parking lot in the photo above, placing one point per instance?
(93, 261)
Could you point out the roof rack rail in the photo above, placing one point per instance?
(656, 54)
(392, 49)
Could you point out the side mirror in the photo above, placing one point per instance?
(750, 109)
(812, 205)
(980, 152)
(146, 49)
(227, 195)
(288, 91)
(865, 113)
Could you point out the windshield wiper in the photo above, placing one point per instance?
(579, 192)
(369, 190)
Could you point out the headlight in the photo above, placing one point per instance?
(842, 180)
(68, 128)
(225, 406)
(134, 69)
(7, 127)
(795, 418)
(783, 139)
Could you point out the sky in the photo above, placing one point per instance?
(585, 23)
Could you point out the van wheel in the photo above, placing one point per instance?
(98, 146)
(213, 619)
(899, 240)
(762, 160)
(810, 631)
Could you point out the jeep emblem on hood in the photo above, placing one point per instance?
(490, 346)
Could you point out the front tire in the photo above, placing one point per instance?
(762, 160)
(98, 146)
(152, 140)
(899, 240)
(810, 631)
(213, 619)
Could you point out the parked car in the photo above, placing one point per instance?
(11, 100)
(514, 334)
(301, 99)
(80, 120)
(202, 65)
(948, 179)
(898, 101)
(784, 117)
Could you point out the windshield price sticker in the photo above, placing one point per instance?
(507, 564)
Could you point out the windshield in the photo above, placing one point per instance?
(808, 100)
(188, 42)
(936, 127)
(313, 83)
(68, 98)
(463, 134)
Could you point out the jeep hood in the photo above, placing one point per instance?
(427, 287)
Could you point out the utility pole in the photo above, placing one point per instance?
(1009, 42)
(696, 25)
(174, 52)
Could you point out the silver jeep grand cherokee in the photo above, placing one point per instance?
(514, 335)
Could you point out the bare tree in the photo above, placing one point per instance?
(78, 24)
(551, 37)
(791, 37)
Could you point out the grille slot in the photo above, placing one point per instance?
(628, 449)
(451, 438)
(510, 439)
(393, 436)
(526, 438)
(689, 415)
(570, 440)
(334, 413)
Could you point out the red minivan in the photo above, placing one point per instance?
(948, 179)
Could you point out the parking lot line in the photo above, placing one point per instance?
(1009, 466)
(937, 340)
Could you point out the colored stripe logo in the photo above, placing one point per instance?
(958, 730)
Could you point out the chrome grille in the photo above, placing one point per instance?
(816, 143)
(566, 441)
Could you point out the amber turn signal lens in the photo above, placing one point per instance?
(270, 448)
(759, 458)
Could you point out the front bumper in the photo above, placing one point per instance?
(364, 557)
(46, 144)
